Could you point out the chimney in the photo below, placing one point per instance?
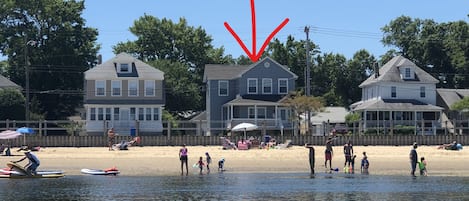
(376, 68)
(100, 59)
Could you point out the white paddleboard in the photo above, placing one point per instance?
(99, 172)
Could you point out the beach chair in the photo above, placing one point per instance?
(227, 144)
(284, 145)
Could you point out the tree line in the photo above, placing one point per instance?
(64, 48)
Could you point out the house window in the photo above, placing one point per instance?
(222, 88)
(133, 112)
(283, 114)
(124, 68)
(148, 114)
(100, 114)
(156, 114)
(92, 114)
(407, 72)
(393, 92)
(282, 86)
(422, 92)
(108, 113)
(133, 87)
(251, 113)
(116, 86)
(100, 88)
(141, 114)
(252, 86)
(116, 114)
(267, 86)
(261, 112)
(149, 87)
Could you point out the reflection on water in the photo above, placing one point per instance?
(236, 186)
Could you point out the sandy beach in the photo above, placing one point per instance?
(139, 161)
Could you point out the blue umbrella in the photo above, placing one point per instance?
(25, 130)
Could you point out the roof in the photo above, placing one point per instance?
(451, 96)
(239, 100)
(396, 105)
(331, 115)
(6, 83)
(390, 73)
(202, 116)
(230, 72)
(107, 69)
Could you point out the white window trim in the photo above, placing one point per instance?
(112, 87)
(129, 68)
(128, 87)
(407, 69)
(423, 91)
(154, 88)
(264, 113)
(96, 87)
(249, 112)
(227, 87)
(391, 91)
(286, 81)
(257, 84)
(263, 80)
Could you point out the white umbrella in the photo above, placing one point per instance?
(9, 134)
(244, 127)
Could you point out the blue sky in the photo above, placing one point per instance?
(337, 26)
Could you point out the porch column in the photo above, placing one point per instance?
(255, 114)
(364, 119)
(276, 115)
(415, 122)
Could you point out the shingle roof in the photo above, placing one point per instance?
(390, 73)
(451, 96)
(108, 71)
(396, 105)
(6, 83)
(230, 72)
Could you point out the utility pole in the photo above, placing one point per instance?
(26, 77)
(308, 77)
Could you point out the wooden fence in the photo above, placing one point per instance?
(101, 141)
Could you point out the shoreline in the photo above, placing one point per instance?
(164, 160)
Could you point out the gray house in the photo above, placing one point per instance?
(124, 93)
(399, 94)
(247, 93)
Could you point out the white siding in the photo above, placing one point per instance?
(408, 91)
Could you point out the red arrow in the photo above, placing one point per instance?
(254, 55)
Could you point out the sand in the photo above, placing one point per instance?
(157, 161)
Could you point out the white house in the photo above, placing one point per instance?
(399, 94)
(124, 93)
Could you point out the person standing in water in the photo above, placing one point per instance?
(311, 157)
(184, 160)
(208, 159)
(413, 159)
(328, 154)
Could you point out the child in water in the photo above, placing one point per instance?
(423, 166)
(201, 164)
(221, 163)
(208, 159)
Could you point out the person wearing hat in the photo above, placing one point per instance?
(413, 159)
(33, 163)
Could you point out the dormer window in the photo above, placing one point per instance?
(124, 68)
(407, 73)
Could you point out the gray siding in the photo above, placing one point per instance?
(217, 101)
(90, 96)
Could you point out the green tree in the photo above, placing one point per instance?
(51, 35)
(163, 39)
(11, 104)
(461, 105)
(181, 92)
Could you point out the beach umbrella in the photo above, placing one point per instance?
(244, 127)
(25, 130)
(9, 134)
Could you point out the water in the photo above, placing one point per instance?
(237, 186)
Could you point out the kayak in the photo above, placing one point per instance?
(110, 171)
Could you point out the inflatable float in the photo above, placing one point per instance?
(108, 171)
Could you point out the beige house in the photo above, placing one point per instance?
(124, 93)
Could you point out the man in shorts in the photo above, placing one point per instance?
(328, 154)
